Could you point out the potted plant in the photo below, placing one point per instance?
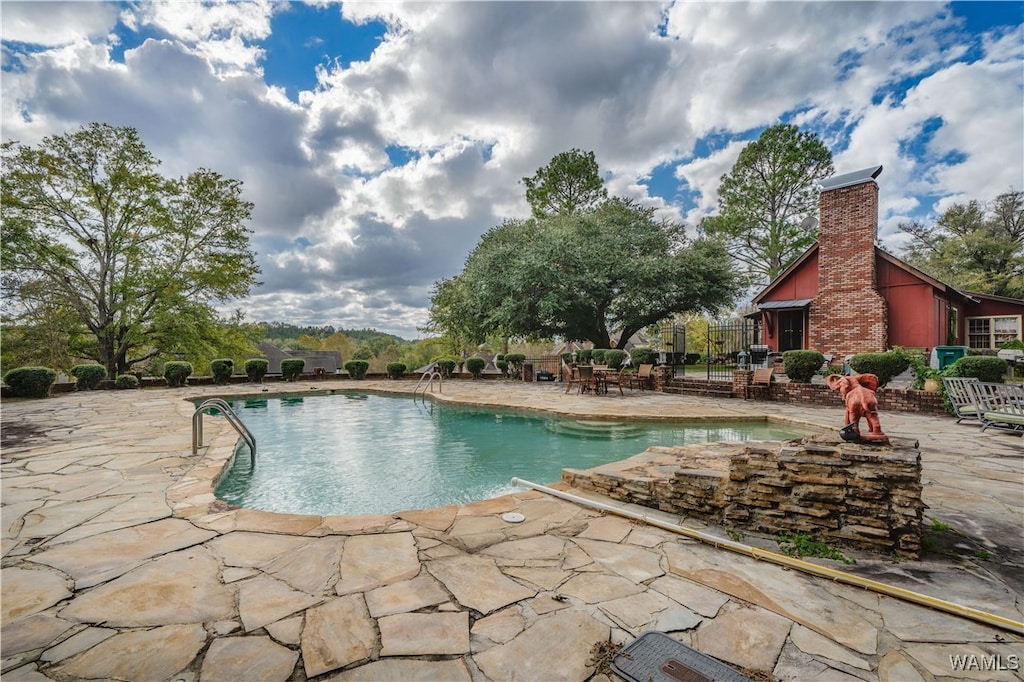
(925, 377)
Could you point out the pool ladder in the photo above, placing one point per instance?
(229, 414)
(429, 385)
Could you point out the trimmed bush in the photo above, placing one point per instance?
(475, 366)
(502, 366)
(447, 366)
(357, 368)
(515, 364)
(584, 356)
(614, 358)
(291, 368)
(692, 358)
(643, 356)
(599, 356)
(256, 369)
(801, 365)
(222, 369)
(177, 372)
(126, 381)
(498, 357)
(395, 370)
(88, 377)
(30, 382)
(982, 367)
(885, 366)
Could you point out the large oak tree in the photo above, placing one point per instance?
(90, 226)
(600, 274)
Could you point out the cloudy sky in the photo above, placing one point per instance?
(380, 140)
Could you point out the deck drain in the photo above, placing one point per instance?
(513, 517)
(656, 657)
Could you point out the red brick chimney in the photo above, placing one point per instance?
(848, 315)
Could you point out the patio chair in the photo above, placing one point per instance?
(570, 375)
(962, 398)
(586, 379)
(612, 377)
(1000, 406)
(643, 377)
(761, 384)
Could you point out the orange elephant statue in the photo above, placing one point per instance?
(858, 392)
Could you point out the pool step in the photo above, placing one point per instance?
(595, 429)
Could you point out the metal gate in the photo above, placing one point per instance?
(673, 343)
(729, 347)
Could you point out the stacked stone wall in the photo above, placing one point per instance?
(839, 493)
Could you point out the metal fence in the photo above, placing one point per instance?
(729, 346)
(548, 363)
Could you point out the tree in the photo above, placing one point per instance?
(570, 182)
(973, 246)
(89, 224)
(600, 274)
(765, 199)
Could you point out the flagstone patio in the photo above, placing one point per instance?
(119, 563)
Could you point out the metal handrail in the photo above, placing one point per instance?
(430, 384)
(229, 414)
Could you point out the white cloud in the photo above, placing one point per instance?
(481, 94)
(56, 23)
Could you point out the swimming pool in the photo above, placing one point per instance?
(365, 453)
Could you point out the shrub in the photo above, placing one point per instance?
(291, 368)
(498, 357)
(256, 369)
(614, 358)
(177, 372)
(885, 366)
(502, 366)
(447, 366)
(982, 367)
(643, 356)
(515, 364)
(584, 356)
(222, 369)
(692, 358)
(126, 381)
(599, 356)
(357, 368)
(88, 377)
(396, 369)
(30, 382)
(475, 366)
(801, 365)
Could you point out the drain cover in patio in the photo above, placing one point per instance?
(656, 657)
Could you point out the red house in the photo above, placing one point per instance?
(845, 295)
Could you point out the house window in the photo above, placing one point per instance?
(990, 332)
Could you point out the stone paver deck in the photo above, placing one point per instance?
(119, 563)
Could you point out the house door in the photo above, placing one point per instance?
(791, 330)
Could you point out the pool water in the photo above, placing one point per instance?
(359, 453)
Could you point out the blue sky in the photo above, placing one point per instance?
(380, 140)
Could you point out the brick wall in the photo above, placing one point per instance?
(848, 315)
(889, 399)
